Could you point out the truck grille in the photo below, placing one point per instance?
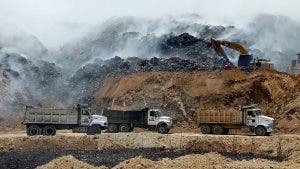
(271, 125)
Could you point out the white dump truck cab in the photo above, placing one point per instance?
(88, 122)
(87, 119)
(162, 123)
(99, 120)
(256, 121)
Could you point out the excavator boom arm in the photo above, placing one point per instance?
(217, 46)
(235, 46)
(232, 45)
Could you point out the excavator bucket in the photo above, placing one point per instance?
(217, 46)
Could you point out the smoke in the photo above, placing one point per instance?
(130, 37)
(272, 37)
(33, 74)
(56, 22)
(18, 41)
(267, 36)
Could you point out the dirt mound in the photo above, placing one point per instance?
(182, 94)
(67, 162)
(208, 160)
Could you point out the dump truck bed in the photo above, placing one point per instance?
(117, 116)
(220, 117)
(51, 116)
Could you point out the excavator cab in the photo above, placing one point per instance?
(245, 62)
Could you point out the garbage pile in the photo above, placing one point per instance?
(34, 81)
(192, 48)
(87, 80)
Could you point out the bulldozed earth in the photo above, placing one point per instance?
(149, 150)
(182, 95)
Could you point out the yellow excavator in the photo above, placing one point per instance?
(246, 61)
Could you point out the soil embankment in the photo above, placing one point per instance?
(182, 95)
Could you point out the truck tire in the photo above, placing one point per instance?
(94, 129)
(260, 131)
(162, 128)
(205, 129)
(33, 130)
(112, 128)
(217, 129)
(124, 128)
(49, 130)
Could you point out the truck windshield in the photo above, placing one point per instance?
(85, 112)
(154, 113)
(158, 113)
(257, 112)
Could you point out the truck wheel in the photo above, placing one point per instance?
(260, 131)
(124, 128)
(33, 130)
(162, 128)
(49, 130)
(205, 129)
(217, 129)
(94, 129)
(112, 128)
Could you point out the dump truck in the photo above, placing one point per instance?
(249, 118)
(125, 121)
(45, 121)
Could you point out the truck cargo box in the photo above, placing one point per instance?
(134, 117)
(53, 116)
(220, 117)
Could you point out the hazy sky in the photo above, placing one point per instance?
(57, 21)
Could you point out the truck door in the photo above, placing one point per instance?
(152, 118)
(251, 118)
(85, 117)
